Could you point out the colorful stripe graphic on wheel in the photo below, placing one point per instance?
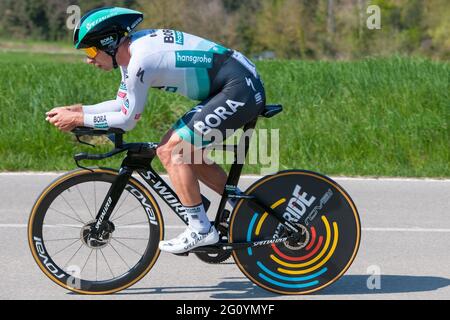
(323, 211)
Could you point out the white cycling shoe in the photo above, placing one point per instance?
(189, 240)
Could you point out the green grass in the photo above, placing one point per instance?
(37, 58)
(376, 117)
(35, 45)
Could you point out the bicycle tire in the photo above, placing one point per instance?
(52, 270)
(303, 267)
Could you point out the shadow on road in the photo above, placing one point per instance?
(357, 284)
(231, 288)
(347, 285)
(241, 288)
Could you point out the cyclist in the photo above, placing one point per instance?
(227, 84)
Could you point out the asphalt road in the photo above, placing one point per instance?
(405, 240)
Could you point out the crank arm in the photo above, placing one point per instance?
(225, 246)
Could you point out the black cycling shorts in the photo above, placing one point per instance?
(240, 99)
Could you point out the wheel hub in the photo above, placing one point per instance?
(96, 240)
(300, 240)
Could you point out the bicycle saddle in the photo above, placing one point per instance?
(271, 110)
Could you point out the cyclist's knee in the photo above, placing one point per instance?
(165, 154)
(170, 152)
(162, 154)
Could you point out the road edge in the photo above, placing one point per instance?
(356, 178)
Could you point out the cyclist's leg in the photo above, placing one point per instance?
(181, 174)
(240, 101)
(185, 182)
(212, 175)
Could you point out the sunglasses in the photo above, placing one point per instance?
(91, 52)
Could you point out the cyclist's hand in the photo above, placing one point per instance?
(74, 108)
(65, 120)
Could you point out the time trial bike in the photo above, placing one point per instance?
(97, 230)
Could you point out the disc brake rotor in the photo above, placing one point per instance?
(301, 242)
(97, 241)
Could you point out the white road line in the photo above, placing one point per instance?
(13, 225)
(432, 230)
(406, 230)
(380, 179)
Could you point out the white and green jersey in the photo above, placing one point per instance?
(169, 60)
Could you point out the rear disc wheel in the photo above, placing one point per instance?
(320, 256)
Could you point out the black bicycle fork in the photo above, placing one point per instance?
(112, 198)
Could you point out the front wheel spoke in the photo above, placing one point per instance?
(63, 226)
(73, 256)
(126, 213)
(66, 215)
(127, 238)
(128, 247)
(120, 256)
(95, 199)
(72, 209)
(109, 267)
(62, 239)
(84, 266)
(96, 265)
(145, 223)
(87, 207)
(55, 254)
(118, 208)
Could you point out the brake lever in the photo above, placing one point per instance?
(81, 167)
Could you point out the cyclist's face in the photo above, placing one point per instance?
(102, 60)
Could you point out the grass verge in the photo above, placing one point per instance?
(375, 117)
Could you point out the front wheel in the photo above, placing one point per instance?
(330, 227)
(60, 226)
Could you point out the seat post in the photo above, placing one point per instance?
(236, 169)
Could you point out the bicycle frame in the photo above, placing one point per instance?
(139, 158)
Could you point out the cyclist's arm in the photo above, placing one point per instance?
(131, 106)
(111, 105)
(107, 106)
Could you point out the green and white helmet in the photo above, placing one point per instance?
(104, 28)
